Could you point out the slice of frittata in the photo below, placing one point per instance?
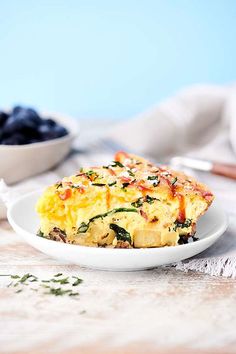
(128, 203)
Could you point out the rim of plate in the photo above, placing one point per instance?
(213, 235)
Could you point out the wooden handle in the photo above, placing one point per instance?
(223, 169)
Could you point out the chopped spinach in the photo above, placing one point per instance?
(131, 173)
(139, 202)
(99, 184)
(121, 233)
(186, 223)
(91, 174)
(174, 180)
(103, 184)
(150, 200)
(152, 178)
(113, 211)
(40, 233)
(84, 227)
(111, 184)
(114, 164)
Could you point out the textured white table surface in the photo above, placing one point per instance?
(156, 311)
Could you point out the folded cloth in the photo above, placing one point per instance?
(187, 121)
(199, 121)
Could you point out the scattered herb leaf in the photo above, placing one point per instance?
(27, 278)
(58, 275)
(61, 281)
(15, 276)
(77, 281)
(73, 294)
(58, 291)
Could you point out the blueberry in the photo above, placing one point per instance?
(26, 113)
(16, 110)
(60, 131)
(3, 118)
(50, 122)
(33, 116)
(48, 133)
(23, 120)
(28, 117)
(25, 126)
(15, 139)
(12, 125)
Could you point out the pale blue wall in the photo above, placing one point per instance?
(112, 58)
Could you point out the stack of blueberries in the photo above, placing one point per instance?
(25, 126)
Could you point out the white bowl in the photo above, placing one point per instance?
(24, 220)
(18, 162)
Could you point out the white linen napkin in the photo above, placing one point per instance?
(199, 121)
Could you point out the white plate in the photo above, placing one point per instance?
(25, 222)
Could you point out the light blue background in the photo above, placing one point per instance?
(112, 59)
